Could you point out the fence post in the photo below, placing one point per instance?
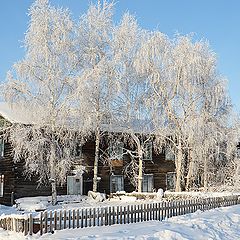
(55, 220)
(50, 221)
(124, 215)
(109, 216)
(142, 211)
(128, 214)
(135, 214)
(30, 224)
(121, 215)
(25, 227)
(82, 218)
(73, 218)
(45, 222)
(98, 216)
(113, 215)
(90, 217)
(94, 216)
(69, 218)
(86, 217)
(64, 219)
(78, 217)
(118, 214)
(41, 223)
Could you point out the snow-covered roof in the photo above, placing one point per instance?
(14, 114)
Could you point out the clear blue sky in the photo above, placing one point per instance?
(215, 20)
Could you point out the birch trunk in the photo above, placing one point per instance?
(53, 175)
(179, 167)
(190, 172)
(140, 171)
(205, 174)
(95, 169)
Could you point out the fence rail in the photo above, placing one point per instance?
(49, 221)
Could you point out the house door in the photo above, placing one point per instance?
(74, 185)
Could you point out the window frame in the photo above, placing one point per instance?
(112, 150)
(113, 179)
(174, 183)
(169, 154)
(148, 151)
(148, 176)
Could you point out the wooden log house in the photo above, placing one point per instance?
(159, 171)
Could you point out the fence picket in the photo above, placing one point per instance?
(78, 217)
(121, 215)
(141, 211)
(135, 213)
(113, 215)
(128, 214)
(82, 218)
(94, 217)
(117, 215)
(41, 223)
(109, 216)
(90, 217)
(64, 219)
(124, 215)
(86, 217)
(73, 218)
(98, 216)
(30, 224)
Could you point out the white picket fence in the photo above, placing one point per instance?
(48, 221)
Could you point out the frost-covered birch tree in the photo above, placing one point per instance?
(129, 104)
(177, 70)
(95, 72)
(41, 84)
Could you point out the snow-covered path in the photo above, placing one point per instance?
(217, 224)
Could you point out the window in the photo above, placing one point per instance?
(115, 150)
(147, 154)
(116, 183)
(1, 185)
(147, 185)
(169, 154)
(1, 147)
(170, 180)
(79, 151)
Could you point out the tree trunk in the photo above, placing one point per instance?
(179, 168)
(190, 172)
(140, 170)
(205, 173)
(95, 169)
(53, 175)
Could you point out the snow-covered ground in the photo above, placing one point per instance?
(217, 224)
(29, 204)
